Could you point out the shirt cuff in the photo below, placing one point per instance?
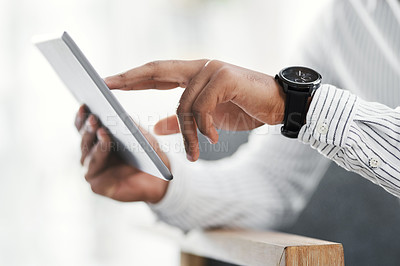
(329, 117)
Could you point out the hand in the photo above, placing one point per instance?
(107, 173)
(217, 95)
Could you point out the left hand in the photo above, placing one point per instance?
(107, 173)
(217, 95)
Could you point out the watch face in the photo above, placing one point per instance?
(300, 75)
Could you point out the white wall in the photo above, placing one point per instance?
(48, 214)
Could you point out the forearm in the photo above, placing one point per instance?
(264, 185)
(202, 196)
(360, 136)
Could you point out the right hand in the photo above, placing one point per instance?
(107, 173)
(216, 95)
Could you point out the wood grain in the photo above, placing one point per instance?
(192, 260)
(261, 248)
(314, 255)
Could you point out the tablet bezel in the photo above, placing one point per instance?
(128, 155)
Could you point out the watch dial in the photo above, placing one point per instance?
(300, 75)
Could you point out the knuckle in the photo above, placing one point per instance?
(225, 73)
(204, 61)
(122, 76)
(189, 93)
(192, 83)
(181, 108)
(153, 69)
(213, 63)
(197, 109)
(121, 81)
(152, 64)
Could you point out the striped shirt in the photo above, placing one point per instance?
(269, 180)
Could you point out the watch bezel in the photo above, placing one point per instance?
(301, 86)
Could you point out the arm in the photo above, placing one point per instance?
(360, 136)
(265, 184)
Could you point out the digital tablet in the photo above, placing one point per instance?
(89, 88)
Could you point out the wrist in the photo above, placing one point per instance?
(298, 83)
(280, 102)
(158, 191)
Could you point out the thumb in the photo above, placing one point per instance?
(167, 126)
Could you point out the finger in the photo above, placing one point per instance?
(187, 125)
(99, 154)
(170, 71)
(188, 129)
(129, 189)
(88, 136)
(215, 92)
(167, 126)
(114, 183)
(81, 116)
(150, 84)
(104, 183)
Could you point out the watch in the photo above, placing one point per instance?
(299, 83)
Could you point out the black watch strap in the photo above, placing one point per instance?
(295, 113)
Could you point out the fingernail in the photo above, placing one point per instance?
(107, 80)
(87, 160)
(78, 121)
(189, 157)
(99, 136)
(89, 127)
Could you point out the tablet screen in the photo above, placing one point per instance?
(88, 88)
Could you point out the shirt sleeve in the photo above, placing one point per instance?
(265, 184)
(360, 136)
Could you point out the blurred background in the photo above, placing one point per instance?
(48, 213)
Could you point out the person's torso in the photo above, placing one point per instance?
(357, 47)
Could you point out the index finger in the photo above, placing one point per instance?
(178, 72)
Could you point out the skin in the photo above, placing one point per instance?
(216, 95)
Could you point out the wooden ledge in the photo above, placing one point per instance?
(258, 248)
